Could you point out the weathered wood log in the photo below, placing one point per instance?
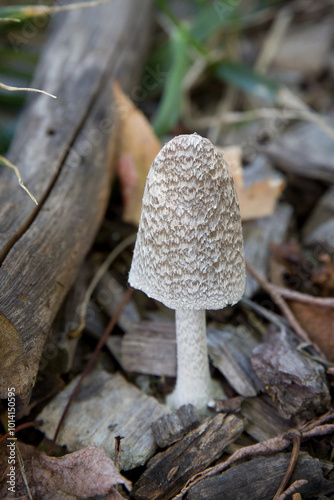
(168, 471)
(295, 382)
(61, 149)
(60, 346)
(260, 478)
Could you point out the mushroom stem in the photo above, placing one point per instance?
(193, 383)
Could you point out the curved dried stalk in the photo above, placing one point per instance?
(18, 175)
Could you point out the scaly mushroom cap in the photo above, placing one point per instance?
(189, 248)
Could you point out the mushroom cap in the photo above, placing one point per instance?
(189, 248)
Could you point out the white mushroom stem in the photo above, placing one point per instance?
(193, 384)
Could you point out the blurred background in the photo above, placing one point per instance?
(256, 75)
(213, 66)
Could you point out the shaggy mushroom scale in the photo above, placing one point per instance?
(189, 251)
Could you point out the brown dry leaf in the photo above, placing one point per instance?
(137, 149)
(324, 276)
(289, 254)
(257, 200)
(233, 157)
(290, 267)
(314, 275)
(318, 322)
(84, 473)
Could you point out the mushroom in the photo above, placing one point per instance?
(189, 251)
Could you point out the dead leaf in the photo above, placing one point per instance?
(233, 157)
(290, 267)
(84, 473)
(289, 254)
(318, 322)
(323, 277)
(258, 199)
(137, 149)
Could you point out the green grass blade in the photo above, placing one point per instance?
(170, 106)
(248, 80)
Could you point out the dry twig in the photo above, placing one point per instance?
(294, 486)
(25, 89)
(262, 113)
(295, 436)
(273, 39)
(22, 470)
(276, 296)
(304, 297)
(20, 427)
(18, 175)
(96, 278)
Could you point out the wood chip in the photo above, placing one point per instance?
(109, 294)
(107, 406)
(259, 479)
(295, 382)
(172, 427)
(169, 471)
(263, 420)
(230, 350)
(150, 347)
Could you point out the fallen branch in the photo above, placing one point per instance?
(72, 174)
